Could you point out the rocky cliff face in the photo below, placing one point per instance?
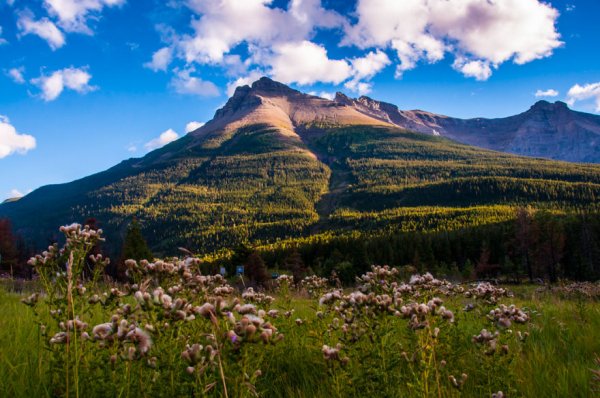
(548, 130)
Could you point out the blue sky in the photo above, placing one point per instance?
(86, 84)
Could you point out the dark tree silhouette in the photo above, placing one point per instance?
(256, 270)
(134, 246)
(8, 249)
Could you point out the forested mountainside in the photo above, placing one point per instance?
(275, 163)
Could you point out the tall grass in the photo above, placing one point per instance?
(555, 361)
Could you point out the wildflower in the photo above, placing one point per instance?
(102, 331)
(152, 362)
(205, 310)
(31, 300)
(141, 338)
(331, 353)
(131, 353)
(233, 337)
(59, 338)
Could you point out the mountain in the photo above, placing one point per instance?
(548, 130)
(276, 163)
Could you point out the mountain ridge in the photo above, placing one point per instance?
(547, 130)
(276, 163)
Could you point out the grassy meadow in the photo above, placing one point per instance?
(385, 357)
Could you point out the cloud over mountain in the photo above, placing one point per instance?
(251, 37)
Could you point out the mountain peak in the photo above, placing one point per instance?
(265, 84)
(549, 106)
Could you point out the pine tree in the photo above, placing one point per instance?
(295, 265)
(8, 249)
(255, 269)
(134, 245)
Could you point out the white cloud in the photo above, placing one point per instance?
(132, 148)
(570, 7)
(15, 193)
(160, 59)
(72, 15)
(11, 141)
(243, 81)
(365, 68)
(585, 92)
(192, 126)
(479, 35)
(162, 140)
(306, 63)
(323, 94)
(16, 74)
(480, 70)
(371, 64)
(546, 93)
(222, 25)
(484, 32)
(361, 88)
(2, 40)
(43, 28)
(184, 83)
(76, 79)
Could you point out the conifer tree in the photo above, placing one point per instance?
(134, 245)
(256, 269)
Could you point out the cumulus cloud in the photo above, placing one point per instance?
(184, 83)
(243, 81)
(160, 60)
(479, 33)
(222, 25)
(583, 93)
(323, 94)
(16, 74)
(192, 126)
(480, 70)
(15, 193)
(283, 42)
(162, 140)
(365, 68)
(546, 93)
(73, 15)
(43, 28)
(13, 142)
(76, 79)
(306, 63)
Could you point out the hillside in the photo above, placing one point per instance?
(276, 163)
(547, 130)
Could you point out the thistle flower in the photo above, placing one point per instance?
(246, 309)
(59, 338)
(205, 310)
(141, 338)
(103, 331)
(233, 337)
(76, 324)
(31, 300)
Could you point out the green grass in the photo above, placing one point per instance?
(555, 361)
